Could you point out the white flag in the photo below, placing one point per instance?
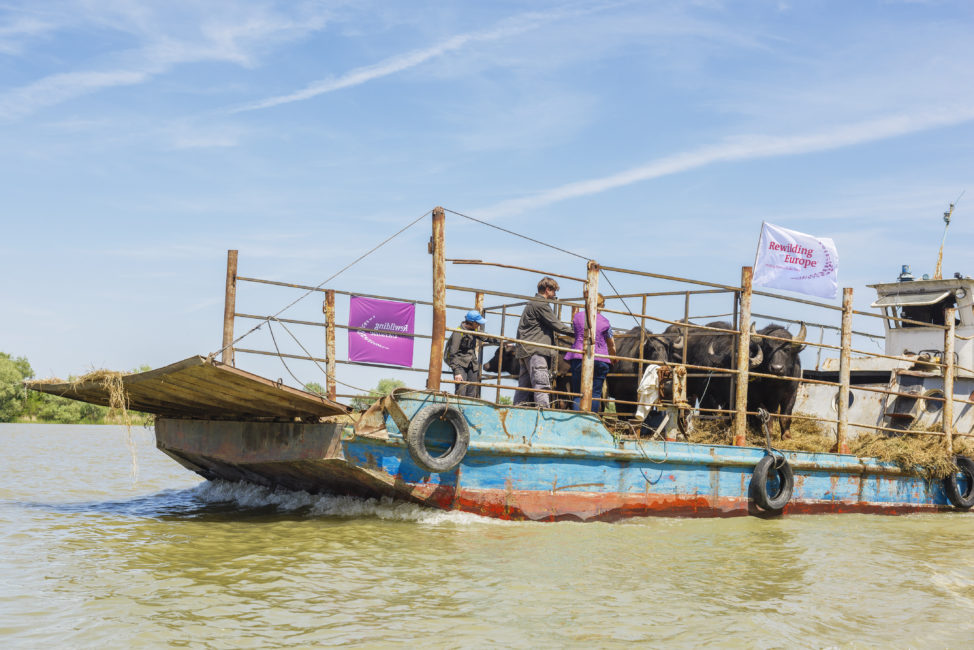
(792, 260)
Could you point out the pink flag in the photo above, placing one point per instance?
(386, 315)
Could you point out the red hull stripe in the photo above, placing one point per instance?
(576, 506)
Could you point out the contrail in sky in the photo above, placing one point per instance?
(739, 148)
(398, 63)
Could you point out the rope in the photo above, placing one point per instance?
(511, 232)
(624, 303)
(301, 345)
(551, 246)
(286, 367)
(779, 460)
(666, 455)
(706, 386)
(320, 284)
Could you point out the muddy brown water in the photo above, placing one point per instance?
(91, 558)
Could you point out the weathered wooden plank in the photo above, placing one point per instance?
(232, 397)
(201, 387)
(236, 399)
(197, 391)
(274, 394)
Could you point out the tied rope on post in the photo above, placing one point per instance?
(778, 455)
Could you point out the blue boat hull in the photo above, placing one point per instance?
(533, 464)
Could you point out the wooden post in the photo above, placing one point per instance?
(743, 358)
(500, 356)
(229, 308)
(588, 354)
(821, 339)
(686, 326)
(949, 315)
(436, 247)
(478, 304)
(330, 362)
(732, 394)
(642, 342)
(845, 356)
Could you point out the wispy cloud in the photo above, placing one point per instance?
(20, 29)
(57, 88)
(739, 149)
(510, 27)
(203, 34)
(185, 136)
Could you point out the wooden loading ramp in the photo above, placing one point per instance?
(199, 388)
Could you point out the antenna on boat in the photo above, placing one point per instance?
(938, 274)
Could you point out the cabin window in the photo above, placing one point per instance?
(926, 308)
(932, 314)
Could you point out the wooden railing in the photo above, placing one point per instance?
(740, 312)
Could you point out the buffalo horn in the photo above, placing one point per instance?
(802, 333)
(756, 360)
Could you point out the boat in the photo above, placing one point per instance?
(428, 446)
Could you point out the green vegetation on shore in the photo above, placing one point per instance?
(362, 402)
(18, 404)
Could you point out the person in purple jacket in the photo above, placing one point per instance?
(604, 344)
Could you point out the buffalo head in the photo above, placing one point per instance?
(781, 357)
(715, 349)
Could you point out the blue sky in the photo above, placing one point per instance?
(140, 141)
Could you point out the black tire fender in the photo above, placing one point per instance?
(416, 438)
(759, 482)
(961, 498)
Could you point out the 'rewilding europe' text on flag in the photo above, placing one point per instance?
(397, 318)
(792, 260)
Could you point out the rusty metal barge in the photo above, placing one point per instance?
(428, 446)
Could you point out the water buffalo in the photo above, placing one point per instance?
(561, 378)
(657, 347)
(715, 350)
(510, 362)
(780, 359)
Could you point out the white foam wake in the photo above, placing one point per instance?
(248, 495)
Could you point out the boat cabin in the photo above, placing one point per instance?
(924, 302)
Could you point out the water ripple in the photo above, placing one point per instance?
(93, 560)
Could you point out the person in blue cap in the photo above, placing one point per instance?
(462, 354)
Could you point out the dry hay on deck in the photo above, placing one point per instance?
(711, 431)
(911, 451)
(111, 381)
(49, 380)
(620, 428)
(805, 435)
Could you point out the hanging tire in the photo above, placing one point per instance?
(765, 469)
(956, 494)
(419, 439)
